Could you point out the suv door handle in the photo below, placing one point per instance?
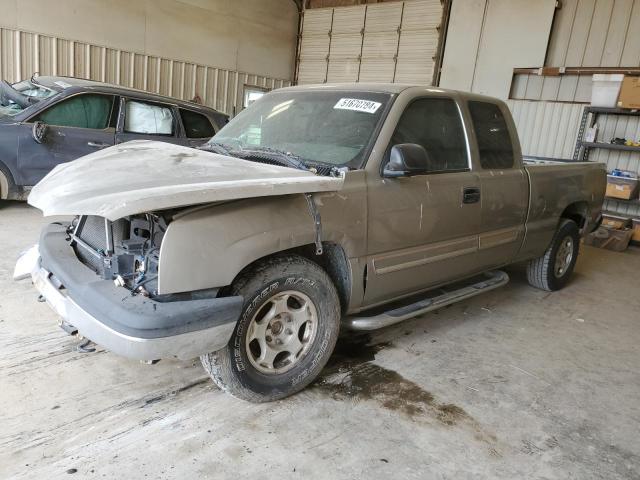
(471, 195)
(98, 145)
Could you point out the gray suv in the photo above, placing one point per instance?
(46, 121)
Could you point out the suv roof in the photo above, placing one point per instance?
(61, 84)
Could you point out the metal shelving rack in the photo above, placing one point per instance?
(588, 120)
(581, 152)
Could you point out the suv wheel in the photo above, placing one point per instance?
(286, 332)
(552, 270)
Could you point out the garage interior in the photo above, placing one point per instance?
(514, 383)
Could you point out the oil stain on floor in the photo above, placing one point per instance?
(351, 375)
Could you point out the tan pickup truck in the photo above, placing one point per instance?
(315, 209)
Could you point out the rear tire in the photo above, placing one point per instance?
(286, 332)
(7, 187)
(552, 270)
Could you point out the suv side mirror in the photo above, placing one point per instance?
(39, 131)
(406, 159)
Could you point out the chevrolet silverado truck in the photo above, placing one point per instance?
(350, 206)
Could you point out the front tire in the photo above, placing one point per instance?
(552, 270)
(286, 332)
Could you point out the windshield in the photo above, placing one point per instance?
(30, 89)
(316, 126)
(15, 94)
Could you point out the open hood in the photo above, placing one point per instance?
(144, 176)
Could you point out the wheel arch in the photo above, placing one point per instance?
(333, 260)
(576, 211)
(6, 183)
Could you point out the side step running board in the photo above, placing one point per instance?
(492, 280)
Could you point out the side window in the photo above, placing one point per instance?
(494, 141)
(80, 111)
(435, 124)
(148, 118)
(196, 125)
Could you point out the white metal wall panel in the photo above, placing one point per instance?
(461, 47)
(487, 39)
(546, 129)
(386, 42)
(24, 53)
(565, 88)
(594, 33)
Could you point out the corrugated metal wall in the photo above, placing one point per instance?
(564, 88)
(23, 53)
(592, 33)
(546, 129)
(385, 42)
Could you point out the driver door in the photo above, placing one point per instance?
(76, 126)
(423, 229)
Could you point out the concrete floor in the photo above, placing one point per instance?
(515, 384)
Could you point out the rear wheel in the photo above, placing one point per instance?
(7, 186)
(286, 332)
(552, 270)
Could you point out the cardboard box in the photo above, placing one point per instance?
(622, 187)
(629, 93)
(614, 221)
(603, 237)
(636, 230)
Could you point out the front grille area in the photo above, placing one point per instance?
(93, 232)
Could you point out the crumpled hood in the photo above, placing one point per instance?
(144, 176)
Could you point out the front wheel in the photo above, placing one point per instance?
(552, 270)
(286, 332)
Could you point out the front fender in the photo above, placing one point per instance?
(208, 247)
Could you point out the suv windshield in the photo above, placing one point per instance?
(328, 127)
(15, 98)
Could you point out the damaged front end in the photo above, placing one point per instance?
(101, 278)
(126, 250)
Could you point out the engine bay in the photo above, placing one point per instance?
(126, 251)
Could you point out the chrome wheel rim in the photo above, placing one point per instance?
(281, 332)
(564, 256)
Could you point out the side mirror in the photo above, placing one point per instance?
(406, 159)
(39, 131)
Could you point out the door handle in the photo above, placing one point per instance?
(98, 145)
(471, 195)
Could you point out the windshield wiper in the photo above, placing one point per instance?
(287, 158)
(215, 147)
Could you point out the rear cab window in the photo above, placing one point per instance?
(147, 118)
(92, 111)
(196, 125)
(492, 134)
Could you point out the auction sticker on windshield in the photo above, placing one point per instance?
(357, 105)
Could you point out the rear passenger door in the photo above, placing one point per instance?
(144, 120)
(503, 183)
(197, 127)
